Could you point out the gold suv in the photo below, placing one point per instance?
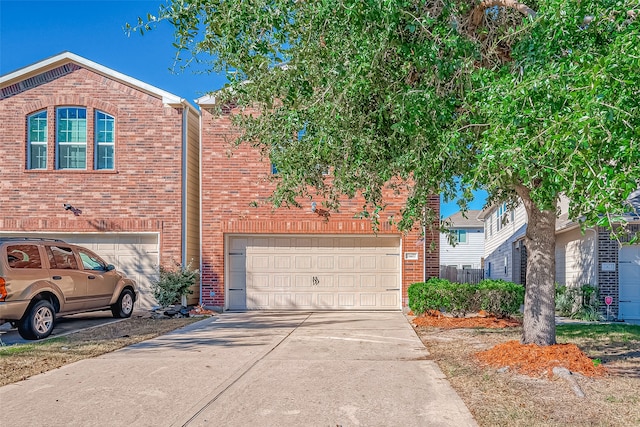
(43, 278)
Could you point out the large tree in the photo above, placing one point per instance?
(526, 101)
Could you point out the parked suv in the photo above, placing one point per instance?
(43, 278)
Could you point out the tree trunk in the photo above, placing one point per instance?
(539, 300)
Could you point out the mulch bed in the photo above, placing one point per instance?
(527, 359)
(534, 360)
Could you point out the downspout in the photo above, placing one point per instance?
(200, 201)
(595, 255)
(183, 223)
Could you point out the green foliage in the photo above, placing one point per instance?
(500, 297)
(497, 297)
(578, 302)
(174, 283)
(412, 95)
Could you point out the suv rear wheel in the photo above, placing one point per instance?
(124, 307)
(37, 322)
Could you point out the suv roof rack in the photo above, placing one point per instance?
(27, 239)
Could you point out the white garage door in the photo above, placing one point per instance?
(629, 274)
(318, 272)
(136, 255)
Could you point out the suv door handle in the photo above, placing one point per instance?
(56, 277)
(92, 277)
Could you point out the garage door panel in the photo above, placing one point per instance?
(368, 300)
(283, 300)
(259, 262)
(302, 262)
(346, 281)
(326, 262)
(303, 281)
(326, 300)
(367, 281)
(325, 282)
(346, 262)
(304, 300)
(259, 300)
(282, 282)
(259, 280)
(389, 299)
(629, 292)
(320, 272)
(346, 300)
(282, 262)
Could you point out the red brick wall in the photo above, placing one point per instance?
(234, 177)
(143, 193)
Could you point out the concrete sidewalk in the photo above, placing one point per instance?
(257, 368)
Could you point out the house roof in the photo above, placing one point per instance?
(563, 223)
(30, 71)
(468, 220)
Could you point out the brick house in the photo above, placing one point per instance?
(120, 154)
(257, 257)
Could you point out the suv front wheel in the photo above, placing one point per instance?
(124, 306)
(37, 322)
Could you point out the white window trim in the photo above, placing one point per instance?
(31, 143)
(58, 143)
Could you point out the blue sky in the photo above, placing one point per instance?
(31, 31)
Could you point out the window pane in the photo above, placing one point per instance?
(37, 144)
(462, 236)
(105, 157)
(72, 138)
(104, 141)
(73, 156)
(38, 156)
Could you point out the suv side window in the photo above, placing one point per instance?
(23, 256)
(62, 258)
(91, 261)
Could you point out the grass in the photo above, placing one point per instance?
(20, 361)
(599, 331)
(509, 399)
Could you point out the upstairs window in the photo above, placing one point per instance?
(104, 149)
(71, 138)
(37, 144)
(461, 237)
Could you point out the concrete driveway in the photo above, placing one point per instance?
(257, 368)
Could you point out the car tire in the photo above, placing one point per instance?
(124, 307)
(38, 321)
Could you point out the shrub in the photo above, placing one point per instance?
(495, 296)
(578, 302)
(174, 283)
(499, 297)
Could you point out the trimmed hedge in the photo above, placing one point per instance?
(497, 297)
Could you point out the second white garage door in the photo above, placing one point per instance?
(318, 272)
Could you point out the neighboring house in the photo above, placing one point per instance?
(98, 158)
(504, 252)
(258, 257)
(467, 232)
(589, 257)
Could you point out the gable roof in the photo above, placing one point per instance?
(457, 220)
(13, 82)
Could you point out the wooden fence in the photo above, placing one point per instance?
(468, 275)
